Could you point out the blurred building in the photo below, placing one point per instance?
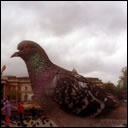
(94, 80)
(13, 84)
(22, 85)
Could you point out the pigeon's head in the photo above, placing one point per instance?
(27, 49)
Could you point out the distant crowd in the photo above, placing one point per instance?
(6, 110)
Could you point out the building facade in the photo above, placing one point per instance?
(94, 80)
(12, 85)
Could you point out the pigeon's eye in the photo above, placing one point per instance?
(27, 46)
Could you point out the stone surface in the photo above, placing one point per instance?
(117, 118)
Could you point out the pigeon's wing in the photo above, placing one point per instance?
(77, 95)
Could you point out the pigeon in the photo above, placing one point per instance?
(63, 95)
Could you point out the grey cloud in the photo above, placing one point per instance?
(61, 17)
(66, 18)
(89, 36)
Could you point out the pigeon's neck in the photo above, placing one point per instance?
(38, 63)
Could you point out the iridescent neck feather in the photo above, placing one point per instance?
(38, 63)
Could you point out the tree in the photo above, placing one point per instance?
(122, 83)
(110, 87)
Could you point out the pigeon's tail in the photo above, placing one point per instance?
(112, 101)
(63, 119)
(97, 107)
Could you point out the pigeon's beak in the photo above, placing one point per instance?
(16, 54)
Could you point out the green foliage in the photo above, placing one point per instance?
(110, 87)
(122, 83)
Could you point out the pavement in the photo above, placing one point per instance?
(118, 118)
(40, 120)
(29, 122)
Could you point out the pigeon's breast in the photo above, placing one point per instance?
(41, 82)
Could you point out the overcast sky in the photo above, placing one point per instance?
(88, 36)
